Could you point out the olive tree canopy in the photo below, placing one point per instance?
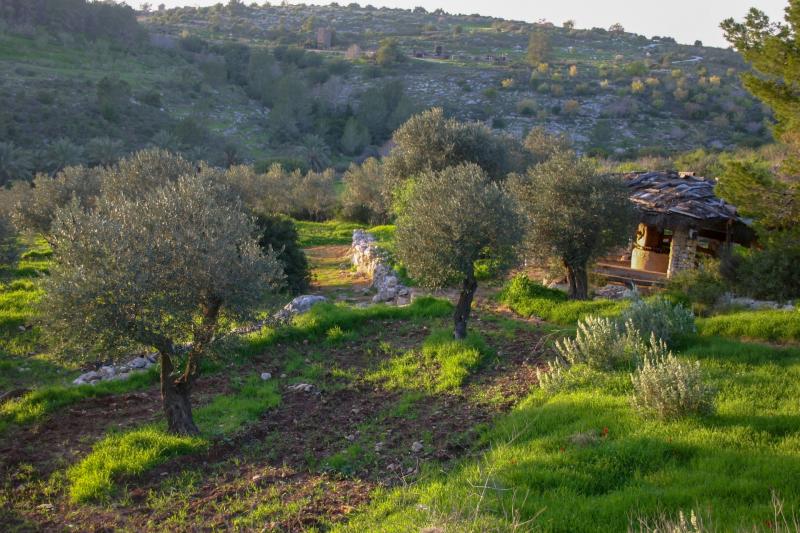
(573, 213)
(157, 269)
(431, 142)
(451, 219)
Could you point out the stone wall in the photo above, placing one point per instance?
(371, 261)
(682, 252)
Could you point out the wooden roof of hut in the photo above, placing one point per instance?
(679, 199)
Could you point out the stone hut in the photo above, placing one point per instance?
(680, 220)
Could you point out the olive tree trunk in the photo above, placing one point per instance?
(176, 399)
(176, 390)
(578, 280)
(464, 306)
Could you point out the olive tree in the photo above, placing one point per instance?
(430, 141)
(573, 213)
(35, 210)
(366, 196)
(157, 271)
(450, 220)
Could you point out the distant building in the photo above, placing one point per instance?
(354, 52)
(324, 38)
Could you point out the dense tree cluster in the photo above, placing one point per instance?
(95, 20)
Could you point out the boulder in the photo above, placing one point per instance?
(300, 305)
(138, 362)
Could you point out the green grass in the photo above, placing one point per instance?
(320, 323)
(769, 325)
(131, 453)
(338, 232)
(527, 298)
(582, 460)
(45, 400)
(20, 292)
(125, 454)
(326, 233)
(323, 317)
(442, 365)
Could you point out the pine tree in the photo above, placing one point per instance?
(773, 50)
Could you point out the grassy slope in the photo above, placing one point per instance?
(49, 87)
(764, 325)
(582, 460)
(19, 294)
(618, 465)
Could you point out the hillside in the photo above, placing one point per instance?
(625, 93)
(253, 84)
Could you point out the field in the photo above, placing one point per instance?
(375, 420)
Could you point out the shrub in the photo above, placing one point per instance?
(668, 388)
(554, 378)
(659, 317)
(600, 343)
(527, 107)
(281, 235)
(701, 287)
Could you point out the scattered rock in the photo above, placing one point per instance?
(138, 362)
(615, 292)
(751, 303)
(301, 387)
(378, 446)
(417, 447)
(300, 305)
(266, 376)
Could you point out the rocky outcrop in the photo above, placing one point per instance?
(370, 260)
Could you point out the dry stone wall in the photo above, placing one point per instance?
(370, 260)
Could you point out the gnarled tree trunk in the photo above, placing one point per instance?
(578, 280)
(176, 391)
(175, 396)
(464, 306)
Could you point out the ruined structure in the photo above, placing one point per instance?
(324, 38)
(680, 220)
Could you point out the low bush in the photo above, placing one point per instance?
(554, 378)
(768, 325)
(668, 388)
(659, 316)
(280, 234)
(602, 344)
(700, 288)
